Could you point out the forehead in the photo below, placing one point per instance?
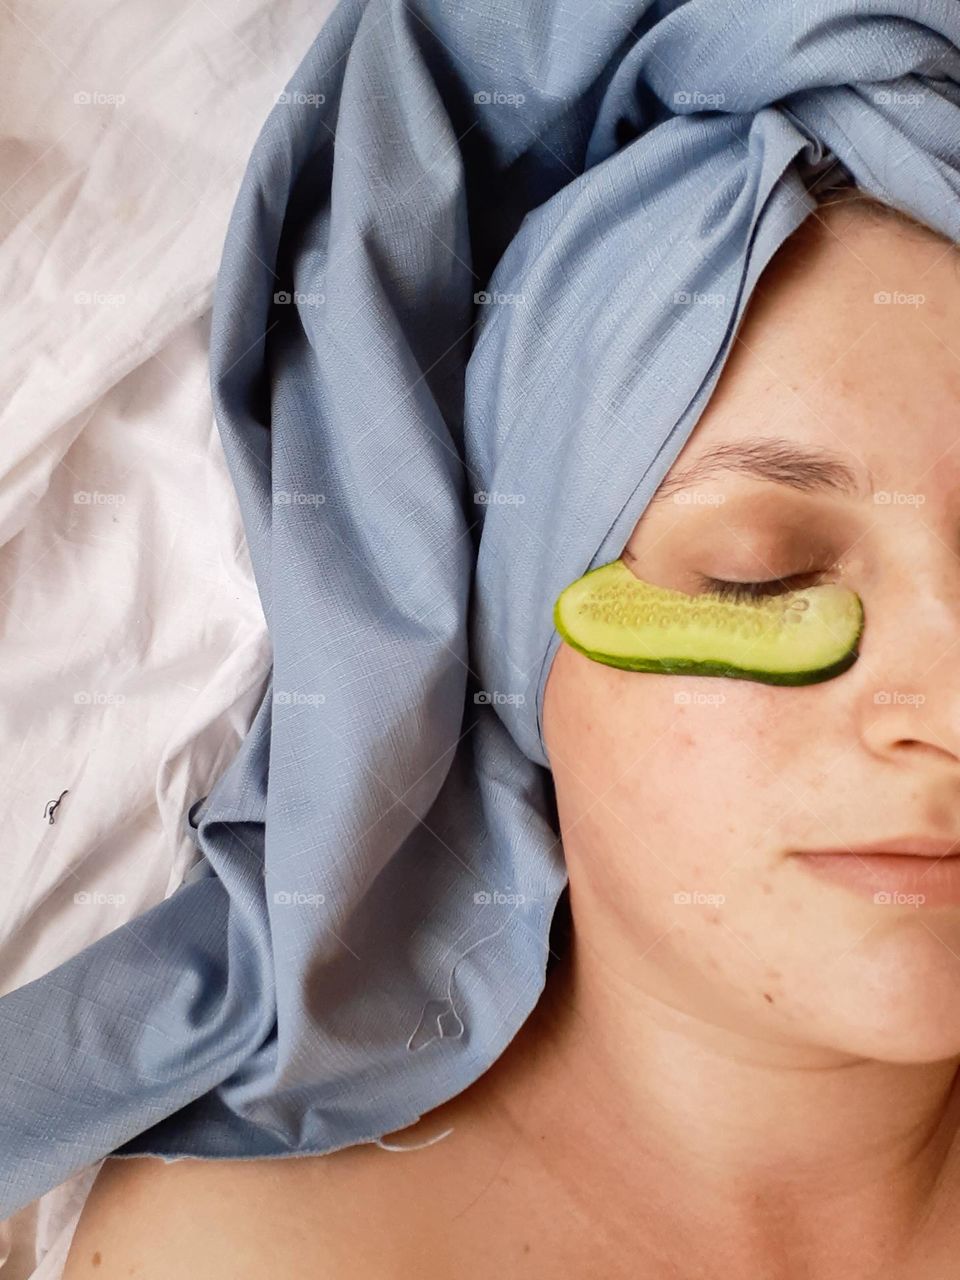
(849, 345)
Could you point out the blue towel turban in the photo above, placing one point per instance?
(453, 356)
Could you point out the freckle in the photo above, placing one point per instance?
(714, 918)
(526, 1247)
(96, 1259)
(766, 887)
(767, 996)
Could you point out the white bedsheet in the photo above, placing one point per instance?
(133, 650)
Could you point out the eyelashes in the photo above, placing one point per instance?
(747, 591)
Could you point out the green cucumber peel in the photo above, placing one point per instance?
(799, 637)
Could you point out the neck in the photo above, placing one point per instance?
(806, 1148)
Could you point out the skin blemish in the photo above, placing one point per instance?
(767, 996)
(96, 1259)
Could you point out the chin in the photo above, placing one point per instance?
(901, 993)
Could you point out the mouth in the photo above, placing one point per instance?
(911, 846)
(917, 871)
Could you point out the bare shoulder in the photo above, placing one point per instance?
(356, 1213)
(453, 1194)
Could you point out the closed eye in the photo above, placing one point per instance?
(753, 590)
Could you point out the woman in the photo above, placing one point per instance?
(742, 1064)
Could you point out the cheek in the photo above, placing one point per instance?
(684, 775)
(685, 771)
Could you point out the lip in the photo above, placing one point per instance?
(916, 871)
(917, 846)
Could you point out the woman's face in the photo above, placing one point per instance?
(703, 786)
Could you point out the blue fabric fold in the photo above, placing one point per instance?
(453, 355)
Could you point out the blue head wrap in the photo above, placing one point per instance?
(451, 363)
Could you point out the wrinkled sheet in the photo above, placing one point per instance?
(369, 928)
(133, 652)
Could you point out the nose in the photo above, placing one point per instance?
(910, 660)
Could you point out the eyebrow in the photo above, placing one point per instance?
(779, 461)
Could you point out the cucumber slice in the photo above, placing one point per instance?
(799, 637)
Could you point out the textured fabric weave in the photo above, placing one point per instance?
(482, 275)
